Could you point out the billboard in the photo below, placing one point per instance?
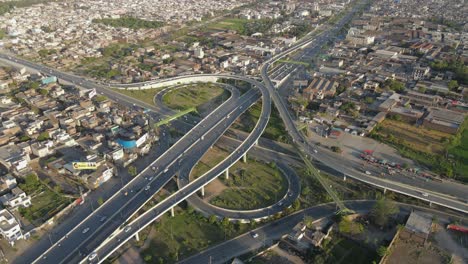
(92, 93)
(141, 140)
(84, 165)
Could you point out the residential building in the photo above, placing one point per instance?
(9, 227)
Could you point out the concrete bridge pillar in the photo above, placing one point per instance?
(256, 142)
(203, 191)
(137, 237)
(244, 158)
(430, 204)
(172, 211)
(344, 177)
(384, 190)
(226, 174)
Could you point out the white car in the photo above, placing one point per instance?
(254, 235)
(368, 173)
(128, 228)
(147, 187)
(425, 194)
(92, 256)
(85, 230)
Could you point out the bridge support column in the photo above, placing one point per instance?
(137, 237)
(256, 142)
(384, 190)
(203, 191)
(226, 174)
(244, 158)
(172, 211)
(430, 204)
(344, 177)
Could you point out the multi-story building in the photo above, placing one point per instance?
(9, 227)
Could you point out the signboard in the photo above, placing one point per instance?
(84, 165)
(92, 93)
(141, 140)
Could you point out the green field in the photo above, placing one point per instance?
(236, 24)
(194, 95)
(146, 96)
(185, 234)
(251, 185)
(275, 129)
(212, 157)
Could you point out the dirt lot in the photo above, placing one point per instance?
(411, 252)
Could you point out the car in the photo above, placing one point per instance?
(147, 187)
(425, 194)
(315, 151)
(254, 235)
(165, 170)
(280, 203)
(150, 178)
(85, 230)
(127, 228)
(92, 256)
(102, 219)
(368, 172)
(153, 168)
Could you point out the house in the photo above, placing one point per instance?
(320, 88)
(16, 198)
(9, 227)
(39, 149)
(443, 120)
(7, 182)
(14, 157)
(418, 227)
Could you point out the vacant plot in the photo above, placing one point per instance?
(44, 205)
(146, 96)
(417, 138)
(344, 250)
(192, 96)
(251, 185)
(411, 252)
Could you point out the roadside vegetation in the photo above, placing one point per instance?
(443, 153)
(251, 185)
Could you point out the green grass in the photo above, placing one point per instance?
(251, 185)
(193, 95)
(275, 129)
(214, 156)
(146, 96)
(236, 24)
(185, 234)
(341, 250)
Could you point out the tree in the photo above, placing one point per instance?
(336, 149)
(453, 85)
(100, 200)
(382, 251)
(296, 204)
(190, 209)
(213, 219)
(225, 222)
(395, 85)
(43, 136)
(349, 227)
(305, 191)
(382, 210)
(309, 221)
(132, 170)
(148, 258)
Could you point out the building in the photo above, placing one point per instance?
(39, 149)
(16, 198)
(417, 228)
(199, 53)
(9, 227)
(443, 120)
(320, 88)
(14, 157)
(421, 99)
(7, 182)
(420, 73)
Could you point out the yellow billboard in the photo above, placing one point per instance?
(84, 165)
